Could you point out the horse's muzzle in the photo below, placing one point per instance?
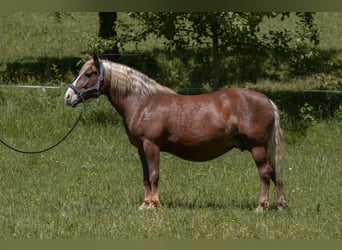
(71, 99)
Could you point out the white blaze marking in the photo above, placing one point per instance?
(71, 94)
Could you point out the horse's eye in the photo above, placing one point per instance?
(90, 74)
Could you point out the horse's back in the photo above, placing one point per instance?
(246, 95)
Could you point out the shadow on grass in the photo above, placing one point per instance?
(241, 205)
(247, 205)
(42, 70)
(187, 70)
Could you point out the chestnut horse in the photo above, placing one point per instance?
(195, 128)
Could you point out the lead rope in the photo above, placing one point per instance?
(52, 146)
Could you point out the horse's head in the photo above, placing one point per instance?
(88, 83)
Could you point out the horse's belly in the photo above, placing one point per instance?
(198, 152)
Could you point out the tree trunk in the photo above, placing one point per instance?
(107, 31)
(216, 58)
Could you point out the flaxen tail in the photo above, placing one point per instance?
(275, 147)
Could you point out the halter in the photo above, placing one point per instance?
(81, 93)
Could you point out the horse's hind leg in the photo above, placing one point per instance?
(265, 172)
(282, 203)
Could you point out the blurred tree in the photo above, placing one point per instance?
(105, 43)
(107, 31)
(236, 34)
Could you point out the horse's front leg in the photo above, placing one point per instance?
(147, 184)
(150, 161)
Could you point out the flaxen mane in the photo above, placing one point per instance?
(128, 81)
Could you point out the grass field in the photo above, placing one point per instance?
(91, 185)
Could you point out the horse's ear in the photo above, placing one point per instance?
(89, 57)
(96, 59)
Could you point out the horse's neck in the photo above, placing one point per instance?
(125, 105)
(126, 101)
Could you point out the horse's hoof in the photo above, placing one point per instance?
(151, 206)
(259, 209)
(144, 206)
(147, 206)
(262, 207)
(282, 206)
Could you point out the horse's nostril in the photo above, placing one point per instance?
(67, 98)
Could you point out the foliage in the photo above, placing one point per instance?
(300, 110)
(306, 113)
(41, 71)
(234, 30)
(233, 41)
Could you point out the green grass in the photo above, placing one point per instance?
(39, 50)
(40, 35)
(91, 185)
